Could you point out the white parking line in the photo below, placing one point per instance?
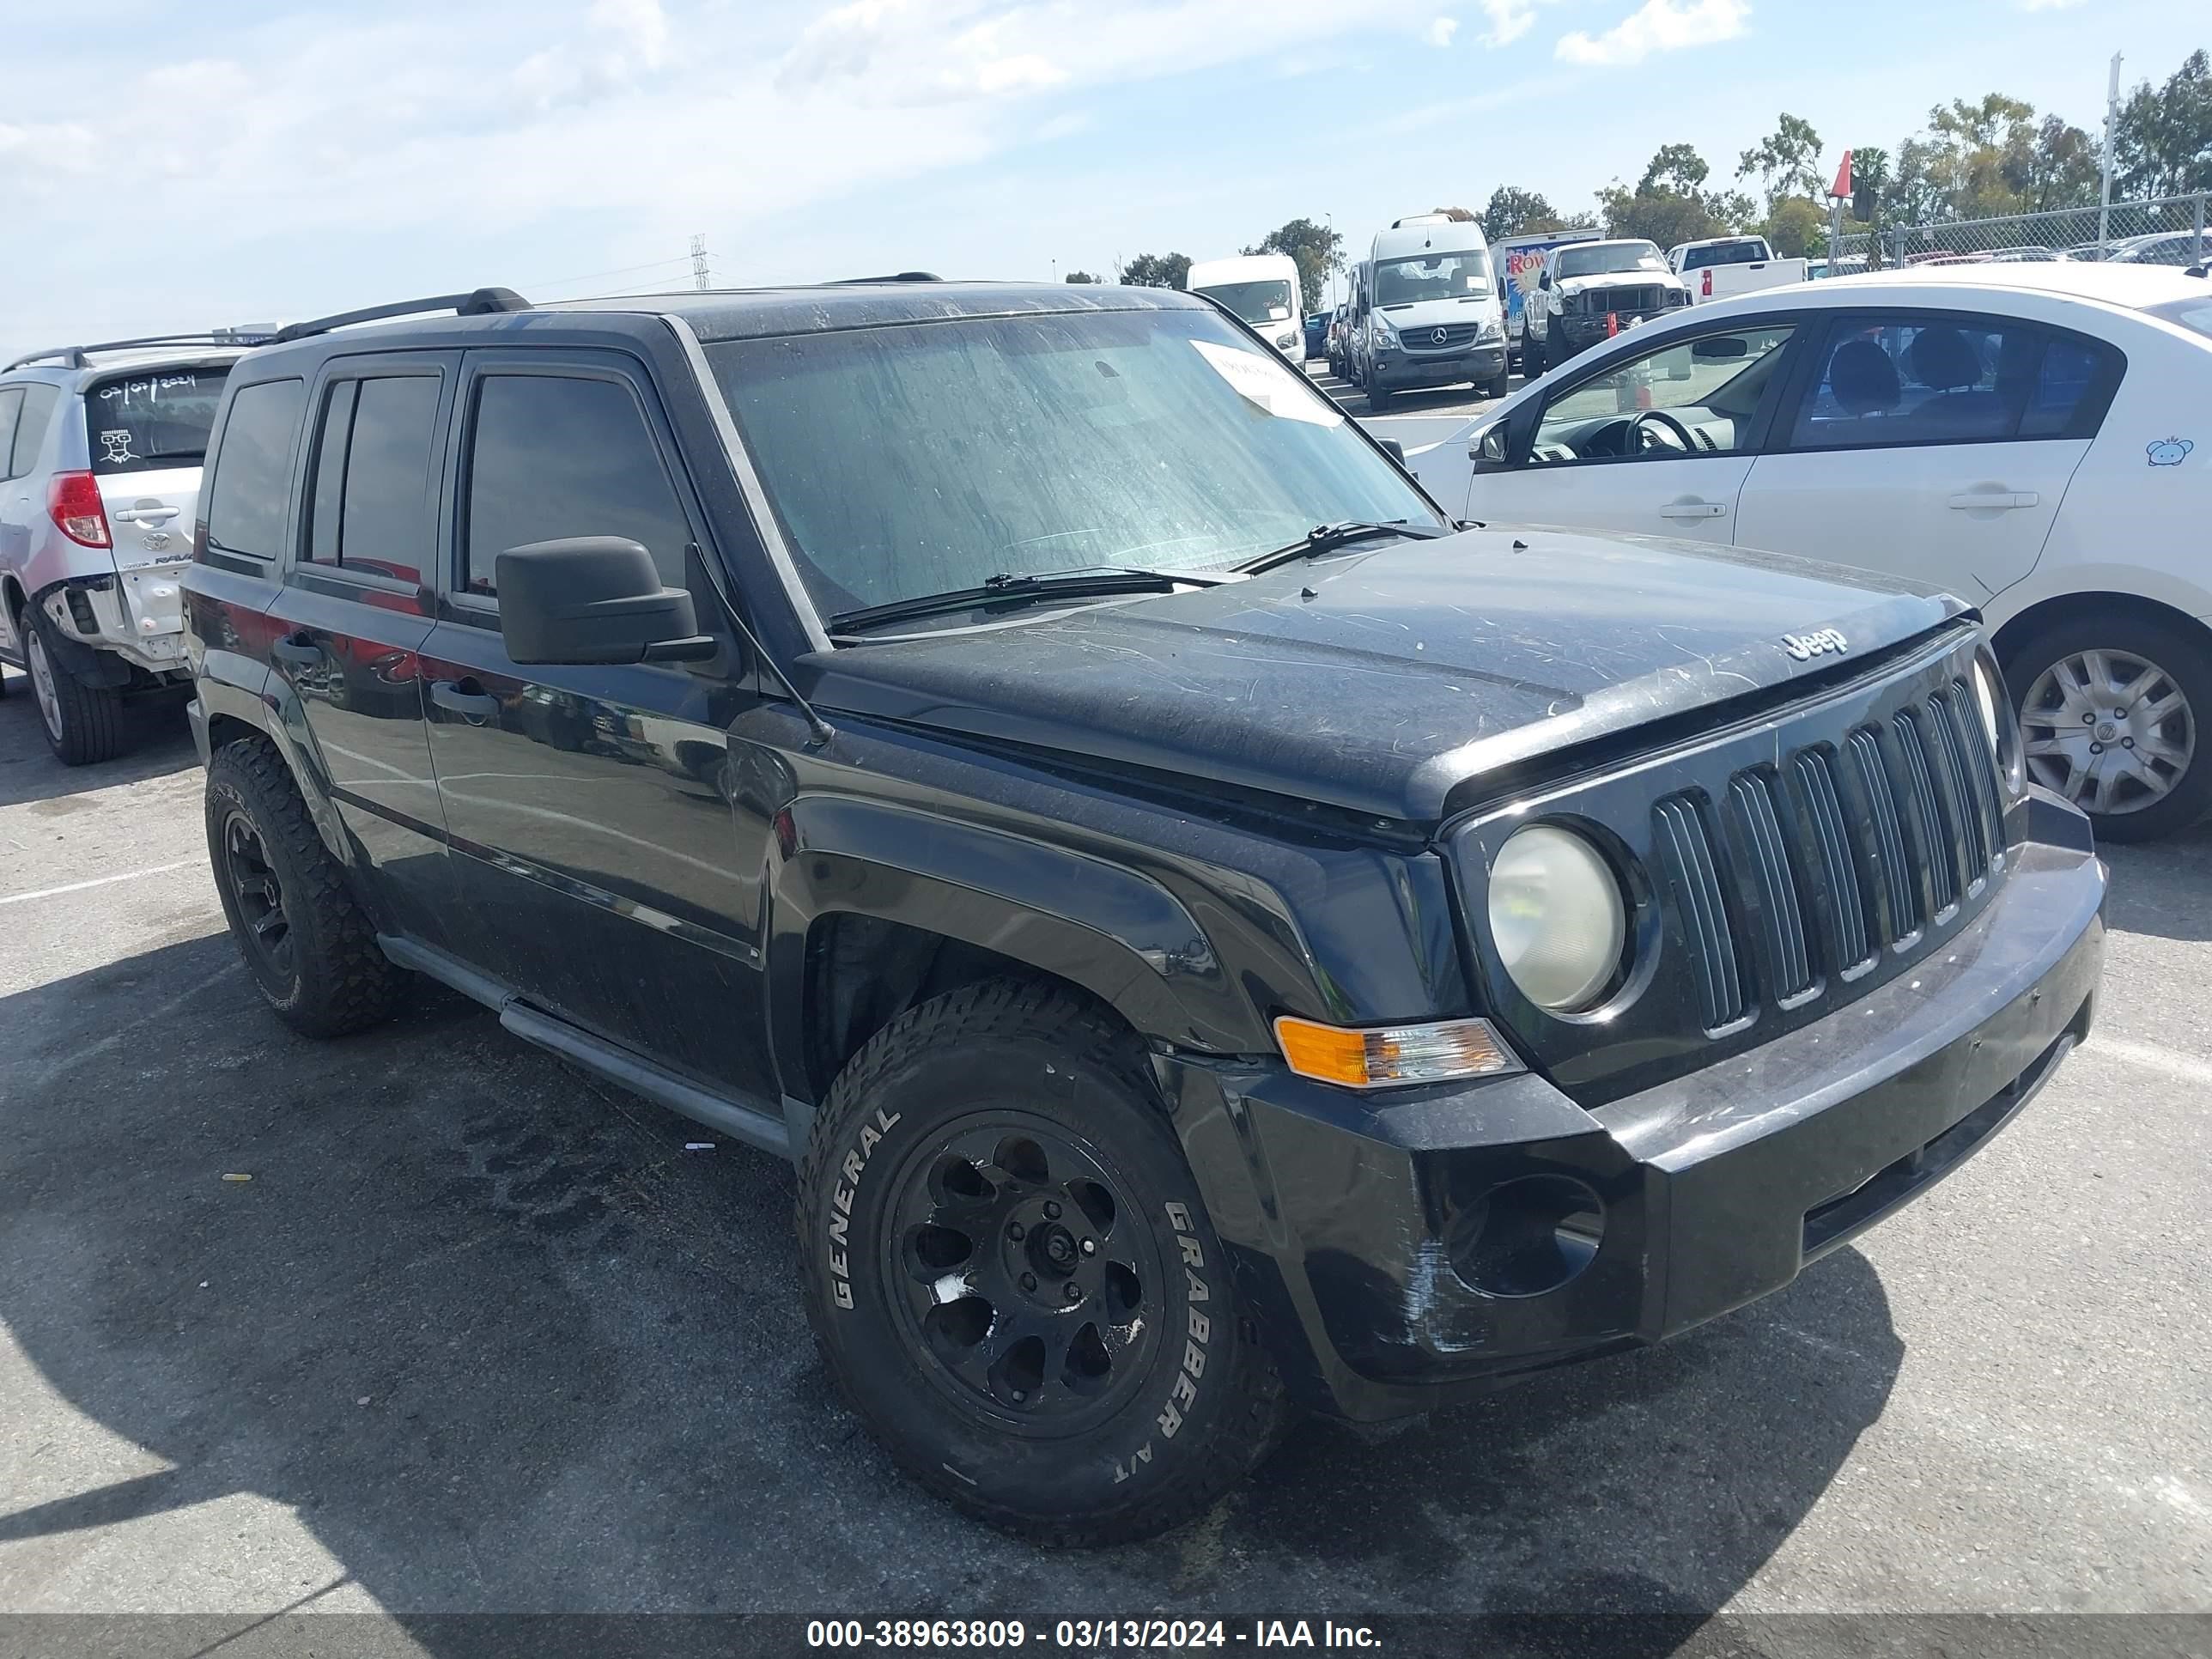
(2154, 1057)
(97, 881)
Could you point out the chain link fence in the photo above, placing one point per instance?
(2172, 231)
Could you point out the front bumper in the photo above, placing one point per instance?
(1399, 370)
(1353, 1220)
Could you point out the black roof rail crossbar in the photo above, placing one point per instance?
(482, 302)
(74, 356)
(896, 276)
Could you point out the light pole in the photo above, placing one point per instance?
(2105, 198)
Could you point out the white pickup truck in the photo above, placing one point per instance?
(1715, 269)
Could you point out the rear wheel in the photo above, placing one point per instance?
(311, 951)
(2111, 708)
(1532, 356)
(1013, 1276)
(83, 723)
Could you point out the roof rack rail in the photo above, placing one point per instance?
(896, 276)
(74, 356)
(482, 302)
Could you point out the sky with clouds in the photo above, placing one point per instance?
(250, 160)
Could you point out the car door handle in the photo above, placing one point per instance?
(154, 515)
(298, 651)
(1693, 510)
(479, 705)
(1969, 500)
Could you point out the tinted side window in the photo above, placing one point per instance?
(328, 473)
(553, 457)
(253, 468)
(386, 524)
(11, 405)
(1980, 381)
(2074, 382)
(38, 412)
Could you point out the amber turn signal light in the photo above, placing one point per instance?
(1393, 1056)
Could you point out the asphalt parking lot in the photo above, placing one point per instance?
(479, 1335)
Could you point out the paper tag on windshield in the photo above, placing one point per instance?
(1263, 381)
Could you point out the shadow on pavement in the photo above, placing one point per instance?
(502, 1344)
(2162, 888)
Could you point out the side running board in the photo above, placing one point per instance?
(754, 1121)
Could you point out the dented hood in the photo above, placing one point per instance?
(1380, 679)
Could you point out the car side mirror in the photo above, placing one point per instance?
(592, 599)
(1544, 281)
(1393, 449)
(1487, 452)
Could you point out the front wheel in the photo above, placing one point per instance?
(1532, 357)
(1496, 387)
(2109, 704)
(1013, 1275)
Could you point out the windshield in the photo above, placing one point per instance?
(1432, 276)
(153, 419)
(1608, 256)
(1726, 253)
(924, 458)
(1255, 302)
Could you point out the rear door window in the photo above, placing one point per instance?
(38, 411)
(1919, 380)
(252, 487)
(370, 505)
(11, 406)
(153, 419)
(557, 456)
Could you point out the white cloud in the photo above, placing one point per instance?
(2048, 5)
(1441, 31)
(1509, 21)
(1659, 25)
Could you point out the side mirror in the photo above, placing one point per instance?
(593, 600)
(1545, 281)
(1487, 452)
(1393, 449)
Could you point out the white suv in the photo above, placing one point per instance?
(100, 474)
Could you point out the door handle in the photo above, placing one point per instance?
(297, 651)
(146, 513)
(2003, 500)
(458, 699)
(1693, 510)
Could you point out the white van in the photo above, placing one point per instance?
(1434, 318)
(1262, 288)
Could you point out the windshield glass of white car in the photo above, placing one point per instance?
(1437, 277)
(1692, 397)
(157, 418)
(1255, 302)
(923, 457)
(1606, 258)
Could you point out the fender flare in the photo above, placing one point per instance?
(1117, 934)
(231, 686)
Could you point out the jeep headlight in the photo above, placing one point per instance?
(1558, 919)
(1996, 710)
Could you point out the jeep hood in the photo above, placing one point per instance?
(1380, 680)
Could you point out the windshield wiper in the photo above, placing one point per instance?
(1323, 538)
(1099, 581)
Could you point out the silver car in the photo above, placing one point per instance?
(100, 448)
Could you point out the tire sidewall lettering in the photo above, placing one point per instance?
(844, 1193)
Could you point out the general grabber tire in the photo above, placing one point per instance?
(1013, 1276)
(311, 952)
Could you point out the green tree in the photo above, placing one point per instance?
(1315, 248)
(1871, 172)
(1786, 162)
(2162, 141)
(1513, 210)
(2065, 170)
(1670, 203)
(1080, 276)
(1156, 270)
(1796, 228)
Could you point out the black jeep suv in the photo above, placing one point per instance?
(1216, 936)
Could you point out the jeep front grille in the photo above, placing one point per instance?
(1790, 868)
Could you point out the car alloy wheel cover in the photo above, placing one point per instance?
(258, 892)
(42, 682)
(2109, 730)
(1028, 1288)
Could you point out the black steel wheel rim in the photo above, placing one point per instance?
(259, 894)
(1026, 1284)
